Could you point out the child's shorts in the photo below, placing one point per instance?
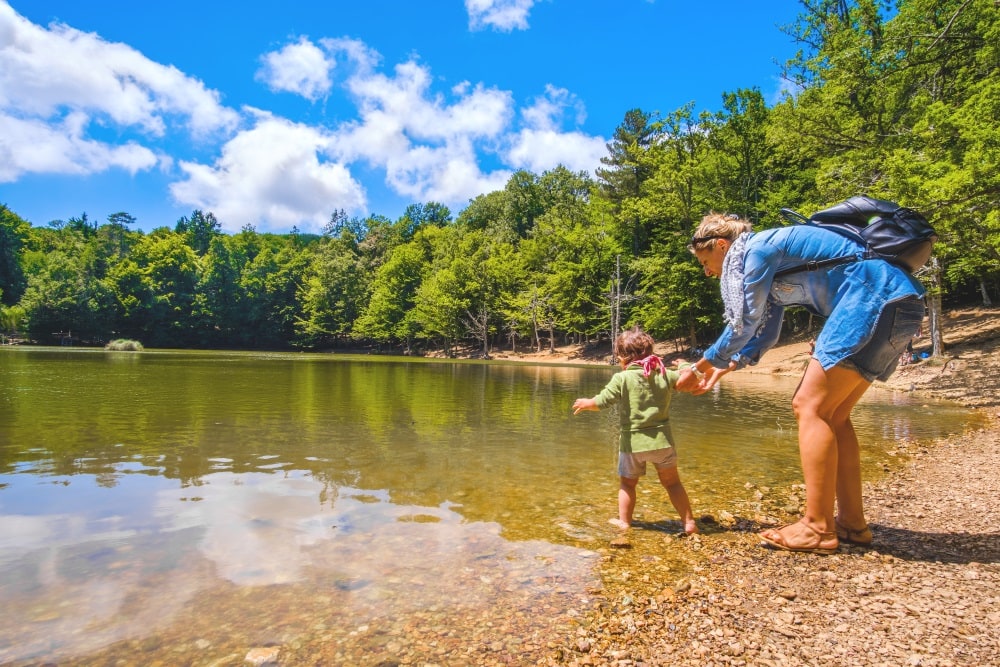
(633, 465)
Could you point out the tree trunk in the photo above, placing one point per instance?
(616, 296)
(934, 309)
(478, 325)
(987, 302)
(534, 324)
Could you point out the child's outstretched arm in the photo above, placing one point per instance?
(581, 404)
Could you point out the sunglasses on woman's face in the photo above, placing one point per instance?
(696, 240)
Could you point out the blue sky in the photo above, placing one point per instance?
(276, 114)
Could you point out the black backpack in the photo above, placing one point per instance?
(887, 230)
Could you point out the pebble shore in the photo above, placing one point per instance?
(925, 594)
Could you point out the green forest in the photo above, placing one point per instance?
(898, 101)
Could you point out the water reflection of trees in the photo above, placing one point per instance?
(474, 431)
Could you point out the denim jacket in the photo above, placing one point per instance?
(850, 295)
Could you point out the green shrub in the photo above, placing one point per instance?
(125, 345)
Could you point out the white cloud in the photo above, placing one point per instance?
(448, 174)
(783, 89)
(502, 15)
(434, 146)
(358, 54)
(56, 82)
(63, 92)
(541, 145)
(301, 68)
(36, 147)
(406, 98)
(542, 150)
(272, 177)
(548, 110)
(428, 145)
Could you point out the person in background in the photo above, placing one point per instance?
(642, 390)
(872, 310)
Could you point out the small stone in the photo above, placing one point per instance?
(263, 656)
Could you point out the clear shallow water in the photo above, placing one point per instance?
(199, 504)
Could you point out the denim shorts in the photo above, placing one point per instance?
(633, 464)
(897, 324)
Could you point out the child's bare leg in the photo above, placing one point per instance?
(671, 481)
(626, 501)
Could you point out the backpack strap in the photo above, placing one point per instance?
(816, 266)
(797, 218)
(793, 216)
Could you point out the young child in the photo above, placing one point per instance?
(642, 390)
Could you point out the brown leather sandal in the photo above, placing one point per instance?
(823, 543)
(861, 537)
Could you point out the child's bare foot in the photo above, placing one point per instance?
(619, 524)
(691, 528)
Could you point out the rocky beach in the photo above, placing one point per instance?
(925, 593)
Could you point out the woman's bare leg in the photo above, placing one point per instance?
(820, 403)
(850, 506)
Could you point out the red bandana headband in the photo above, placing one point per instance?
(650, 364)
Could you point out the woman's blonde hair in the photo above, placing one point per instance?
(633, 344)
(716, 226)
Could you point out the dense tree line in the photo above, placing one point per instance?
(898, 103)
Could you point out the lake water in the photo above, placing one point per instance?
(186, 507)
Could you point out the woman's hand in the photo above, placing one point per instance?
(711, 378)
(689, 380)
(581, 404)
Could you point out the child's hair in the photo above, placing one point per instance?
(633, 344)
(718, 226)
